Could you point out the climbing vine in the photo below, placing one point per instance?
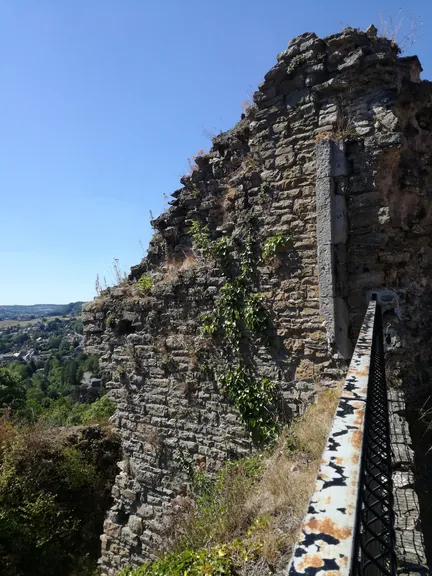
(217, 250)
(273, 245)
(256, 400)
(238, 317)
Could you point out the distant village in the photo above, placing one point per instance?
(35, 342)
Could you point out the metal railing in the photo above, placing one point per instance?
(349, 525)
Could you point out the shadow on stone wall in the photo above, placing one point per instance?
(420, 423)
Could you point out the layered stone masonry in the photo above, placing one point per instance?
(410, 546)
(350, 88)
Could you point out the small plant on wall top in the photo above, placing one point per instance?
(145, 284)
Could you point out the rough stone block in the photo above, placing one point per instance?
(323, 159)
(325, 271)
(324, 202)
(135, 524)
(293, 98)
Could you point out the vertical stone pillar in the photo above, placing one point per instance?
(332, 234)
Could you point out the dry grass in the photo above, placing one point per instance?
(344, 134)
(312, 430)
(228, 198)
(425, 416)
(174, 267)
(248, 108)
(403, 30)
(98, 303)
(192, 160)
(30, 438)
(283, 492)
(260, 502)
(126, 290)
(131, 302)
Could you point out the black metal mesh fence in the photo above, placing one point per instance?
(375, 538)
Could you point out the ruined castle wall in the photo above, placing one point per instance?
(389, 247)
(385, 247)
(260, 176)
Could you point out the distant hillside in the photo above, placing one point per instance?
(39, 310)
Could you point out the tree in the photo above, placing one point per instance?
(54, 342)
(99, 411)
(92, 365)
(12, 391)
(64, 348)
(5, 344)
(20, 370)
(78, 326)
(70, 373)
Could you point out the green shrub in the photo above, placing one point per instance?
(145, 284)
(75, 469)
(52, 502)
(62, 412)
(12, 392)
(220, 513)
(99, 411)
(215, 249)
(208, 540)
(212, 562)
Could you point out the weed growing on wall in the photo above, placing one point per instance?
(217, 250)
(145, 284)
(273, 245)
(256, 400)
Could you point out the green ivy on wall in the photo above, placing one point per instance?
(239, 317)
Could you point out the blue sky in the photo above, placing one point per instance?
(103, 101)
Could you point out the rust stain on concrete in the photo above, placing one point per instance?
(330, 527)
(310, 561)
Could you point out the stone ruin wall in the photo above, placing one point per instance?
(336, 153)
